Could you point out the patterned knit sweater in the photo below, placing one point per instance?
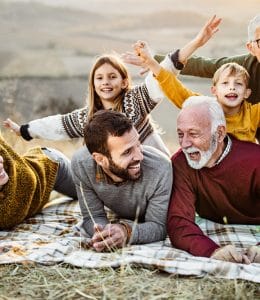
(138, 102)
(31, 179)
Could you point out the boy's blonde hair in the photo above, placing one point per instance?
(234, 69)
(93, 99)
(252, 26)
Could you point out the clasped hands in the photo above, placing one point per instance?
(108, 237)
(230, 253)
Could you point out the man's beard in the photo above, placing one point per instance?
(123, 173)
(205, 156)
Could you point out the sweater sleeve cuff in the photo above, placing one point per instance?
(175, 60)
(25, 132)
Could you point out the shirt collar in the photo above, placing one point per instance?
(101, 176)
(226, 151)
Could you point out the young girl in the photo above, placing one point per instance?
(109, 88)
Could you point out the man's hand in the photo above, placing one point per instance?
(253, 254)
(229, 253)
(207, 31)
(9, 124)
(109, 236)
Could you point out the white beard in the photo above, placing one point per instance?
(205, 156)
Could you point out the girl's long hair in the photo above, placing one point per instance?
(93, 100)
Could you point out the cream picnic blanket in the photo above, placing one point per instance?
(53, 236)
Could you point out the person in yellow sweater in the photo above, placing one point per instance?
(26, 181)
(230, 85)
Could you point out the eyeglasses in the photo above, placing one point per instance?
(257, 42)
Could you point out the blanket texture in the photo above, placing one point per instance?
(55, 236)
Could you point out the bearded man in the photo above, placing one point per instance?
(216, 176)
(115, 171)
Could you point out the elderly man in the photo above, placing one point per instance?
(216, 176)
(133, 181)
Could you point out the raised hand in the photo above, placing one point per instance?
(9, 124)
(208, 30)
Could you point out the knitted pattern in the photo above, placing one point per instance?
(137, 104)
(31, 179)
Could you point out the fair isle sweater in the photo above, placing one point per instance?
(138, 103)
(227, 191)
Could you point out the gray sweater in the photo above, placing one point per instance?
(150, 195)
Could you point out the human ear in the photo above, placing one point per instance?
(125, 83)
(250, 48)
(99, 158)
(247, 93)
(221, 130)
(213, 90)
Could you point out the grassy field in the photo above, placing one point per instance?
(65, 282)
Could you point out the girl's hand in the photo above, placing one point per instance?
(9, 124)
(207, 31)
(135, 60)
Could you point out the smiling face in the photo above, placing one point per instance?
(3, 175)
(230, 90)
(125, 158)
(200, 146)
(108, 84)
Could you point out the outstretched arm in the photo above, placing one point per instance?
(205, 34)
(55, 128)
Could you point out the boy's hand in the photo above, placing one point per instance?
(9, 124)
(207, 31)
(142, 50)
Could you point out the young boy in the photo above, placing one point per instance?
(230, 85)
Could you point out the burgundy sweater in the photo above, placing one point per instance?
(230, 189)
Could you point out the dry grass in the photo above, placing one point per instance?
(65, 282)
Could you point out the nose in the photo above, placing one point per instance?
(185, 142)
(232, 86)
(105, 81)
(138, 155)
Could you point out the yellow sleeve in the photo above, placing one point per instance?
(173, 89)
(255, 114)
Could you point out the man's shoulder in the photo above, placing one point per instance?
(245, 148)
(82, 154)
(154, 158)
(151, 153)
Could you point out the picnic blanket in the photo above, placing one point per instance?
(54, 236)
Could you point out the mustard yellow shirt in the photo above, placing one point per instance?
(242, 125)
